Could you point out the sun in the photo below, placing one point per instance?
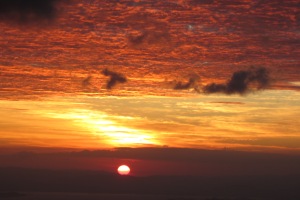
(123, 170)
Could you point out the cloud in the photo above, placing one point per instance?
(192, 83)
(87, 81)
(146, 32)
(241, 82)
(27, 10)
(114, 78)
(149, 38)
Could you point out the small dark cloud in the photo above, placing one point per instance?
(27, 10)
(146, 32)
(87, 81)
(149, 38)
(137, 39)
(114, 78)
(241, 82)
(192, 83)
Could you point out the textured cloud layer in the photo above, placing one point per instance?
(153, 41)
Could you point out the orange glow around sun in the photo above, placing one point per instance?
(123, 170)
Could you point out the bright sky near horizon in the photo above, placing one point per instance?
(134, 73)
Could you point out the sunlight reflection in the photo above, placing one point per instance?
(109, 129)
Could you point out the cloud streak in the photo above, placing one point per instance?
(114, 78)
(241, 82)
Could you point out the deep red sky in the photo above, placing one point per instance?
(152, 42)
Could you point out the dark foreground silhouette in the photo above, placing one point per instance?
(22, 183)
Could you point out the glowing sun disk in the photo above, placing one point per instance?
(123, 170)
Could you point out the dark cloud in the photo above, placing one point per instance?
(241, 82)
(192, 83)
(114, 78)
(27, 10)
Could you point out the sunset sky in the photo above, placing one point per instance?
(197, 74)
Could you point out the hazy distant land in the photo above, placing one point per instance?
(86, 196)
(35, 184)
(228, 175)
